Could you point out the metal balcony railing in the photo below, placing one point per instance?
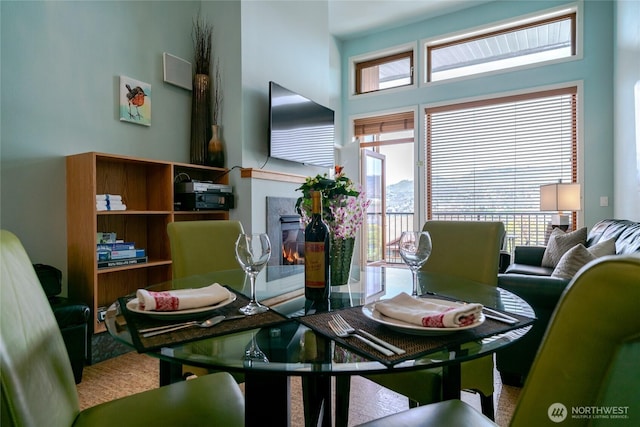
(522, 229)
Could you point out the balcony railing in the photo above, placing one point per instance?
(522, 229)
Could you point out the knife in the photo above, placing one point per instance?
(150, 332)
(390, 346)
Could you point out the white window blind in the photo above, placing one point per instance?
(492, 156)
(383, 124)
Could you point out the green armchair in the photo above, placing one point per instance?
(467, 249)
(38, 387)
(199, 247)
(597, 367)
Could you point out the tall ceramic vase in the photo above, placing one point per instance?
(200, 119)
(215, 148)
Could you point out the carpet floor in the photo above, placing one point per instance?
(133, 373)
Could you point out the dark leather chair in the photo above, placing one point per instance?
(72, 317)
(528, 279)
(588, 358)
(37, 381)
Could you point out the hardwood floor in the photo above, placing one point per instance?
(133, 373)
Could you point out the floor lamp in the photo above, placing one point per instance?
(560, 197)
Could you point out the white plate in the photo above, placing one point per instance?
(132, 305)
(408, 328)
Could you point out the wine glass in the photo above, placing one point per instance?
(252, 252)
(254, 353)
(415, 248)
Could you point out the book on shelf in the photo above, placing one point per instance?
(106, 237)
(122, 262)
(105, 255)
(119, 246)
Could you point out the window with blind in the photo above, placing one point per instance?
(387, 143)
(371, 129)
(486, 160)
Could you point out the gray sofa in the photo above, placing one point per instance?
(527, 278)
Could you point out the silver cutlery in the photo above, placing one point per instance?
(501, 317)
(492, 314)
(390, 346)
(347, 327)
(150, 332)
(343, 329)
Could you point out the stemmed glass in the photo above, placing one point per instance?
(253, 353)
(252, 252)
(415, 248)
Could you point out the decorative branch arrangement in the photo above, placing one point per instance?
(202, 33)
(216, 95)
(206, 145)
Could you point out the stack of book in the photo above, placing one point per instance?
(112, 252)
(110, 202)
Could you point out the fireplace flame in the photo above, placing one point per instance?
(290, 256)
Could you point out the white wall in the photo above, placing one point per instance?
(626, 199)
(286, 42)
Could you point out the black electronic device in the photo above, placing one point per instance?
(206, 200)
(300, 130)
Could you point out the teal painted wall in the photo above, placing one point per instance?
(61, 63)
(595, 70)
(60, 68)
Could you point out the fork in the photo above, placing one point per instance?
(335, 327)
(343, 333)
(349, 329)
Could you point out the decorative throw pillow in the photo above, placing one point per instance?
(606, 247)
(559, 243)
(572, 261)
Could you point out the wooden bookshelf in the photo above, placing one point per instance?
(147, 189)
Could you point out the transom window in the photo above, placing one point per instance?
(384, 73)
(542, 40)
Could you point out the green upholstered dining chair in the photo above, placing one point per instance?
(588, 358)
(470, 250)
(199, 247)
(38, 387)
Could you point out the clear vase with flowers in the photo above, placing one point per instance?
(344, 206)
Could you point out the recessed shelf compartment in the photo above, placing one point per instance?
(147, 190)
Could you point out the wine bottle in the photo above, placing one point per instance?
(316, 253)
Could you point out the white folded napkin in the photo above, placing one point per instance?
(181, 299)
(426, 313)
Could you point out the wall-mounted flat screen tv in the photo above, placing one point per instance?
(300, 130)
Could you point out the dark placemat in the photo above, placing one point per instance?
(416, 346)
(137, 321)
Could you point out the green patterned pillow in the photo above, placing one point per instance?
(559, 243)
(572, 261)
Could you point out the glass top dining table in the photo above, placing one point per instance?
(292, 339)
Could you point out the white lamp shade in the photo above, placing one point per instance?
(560, 197)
